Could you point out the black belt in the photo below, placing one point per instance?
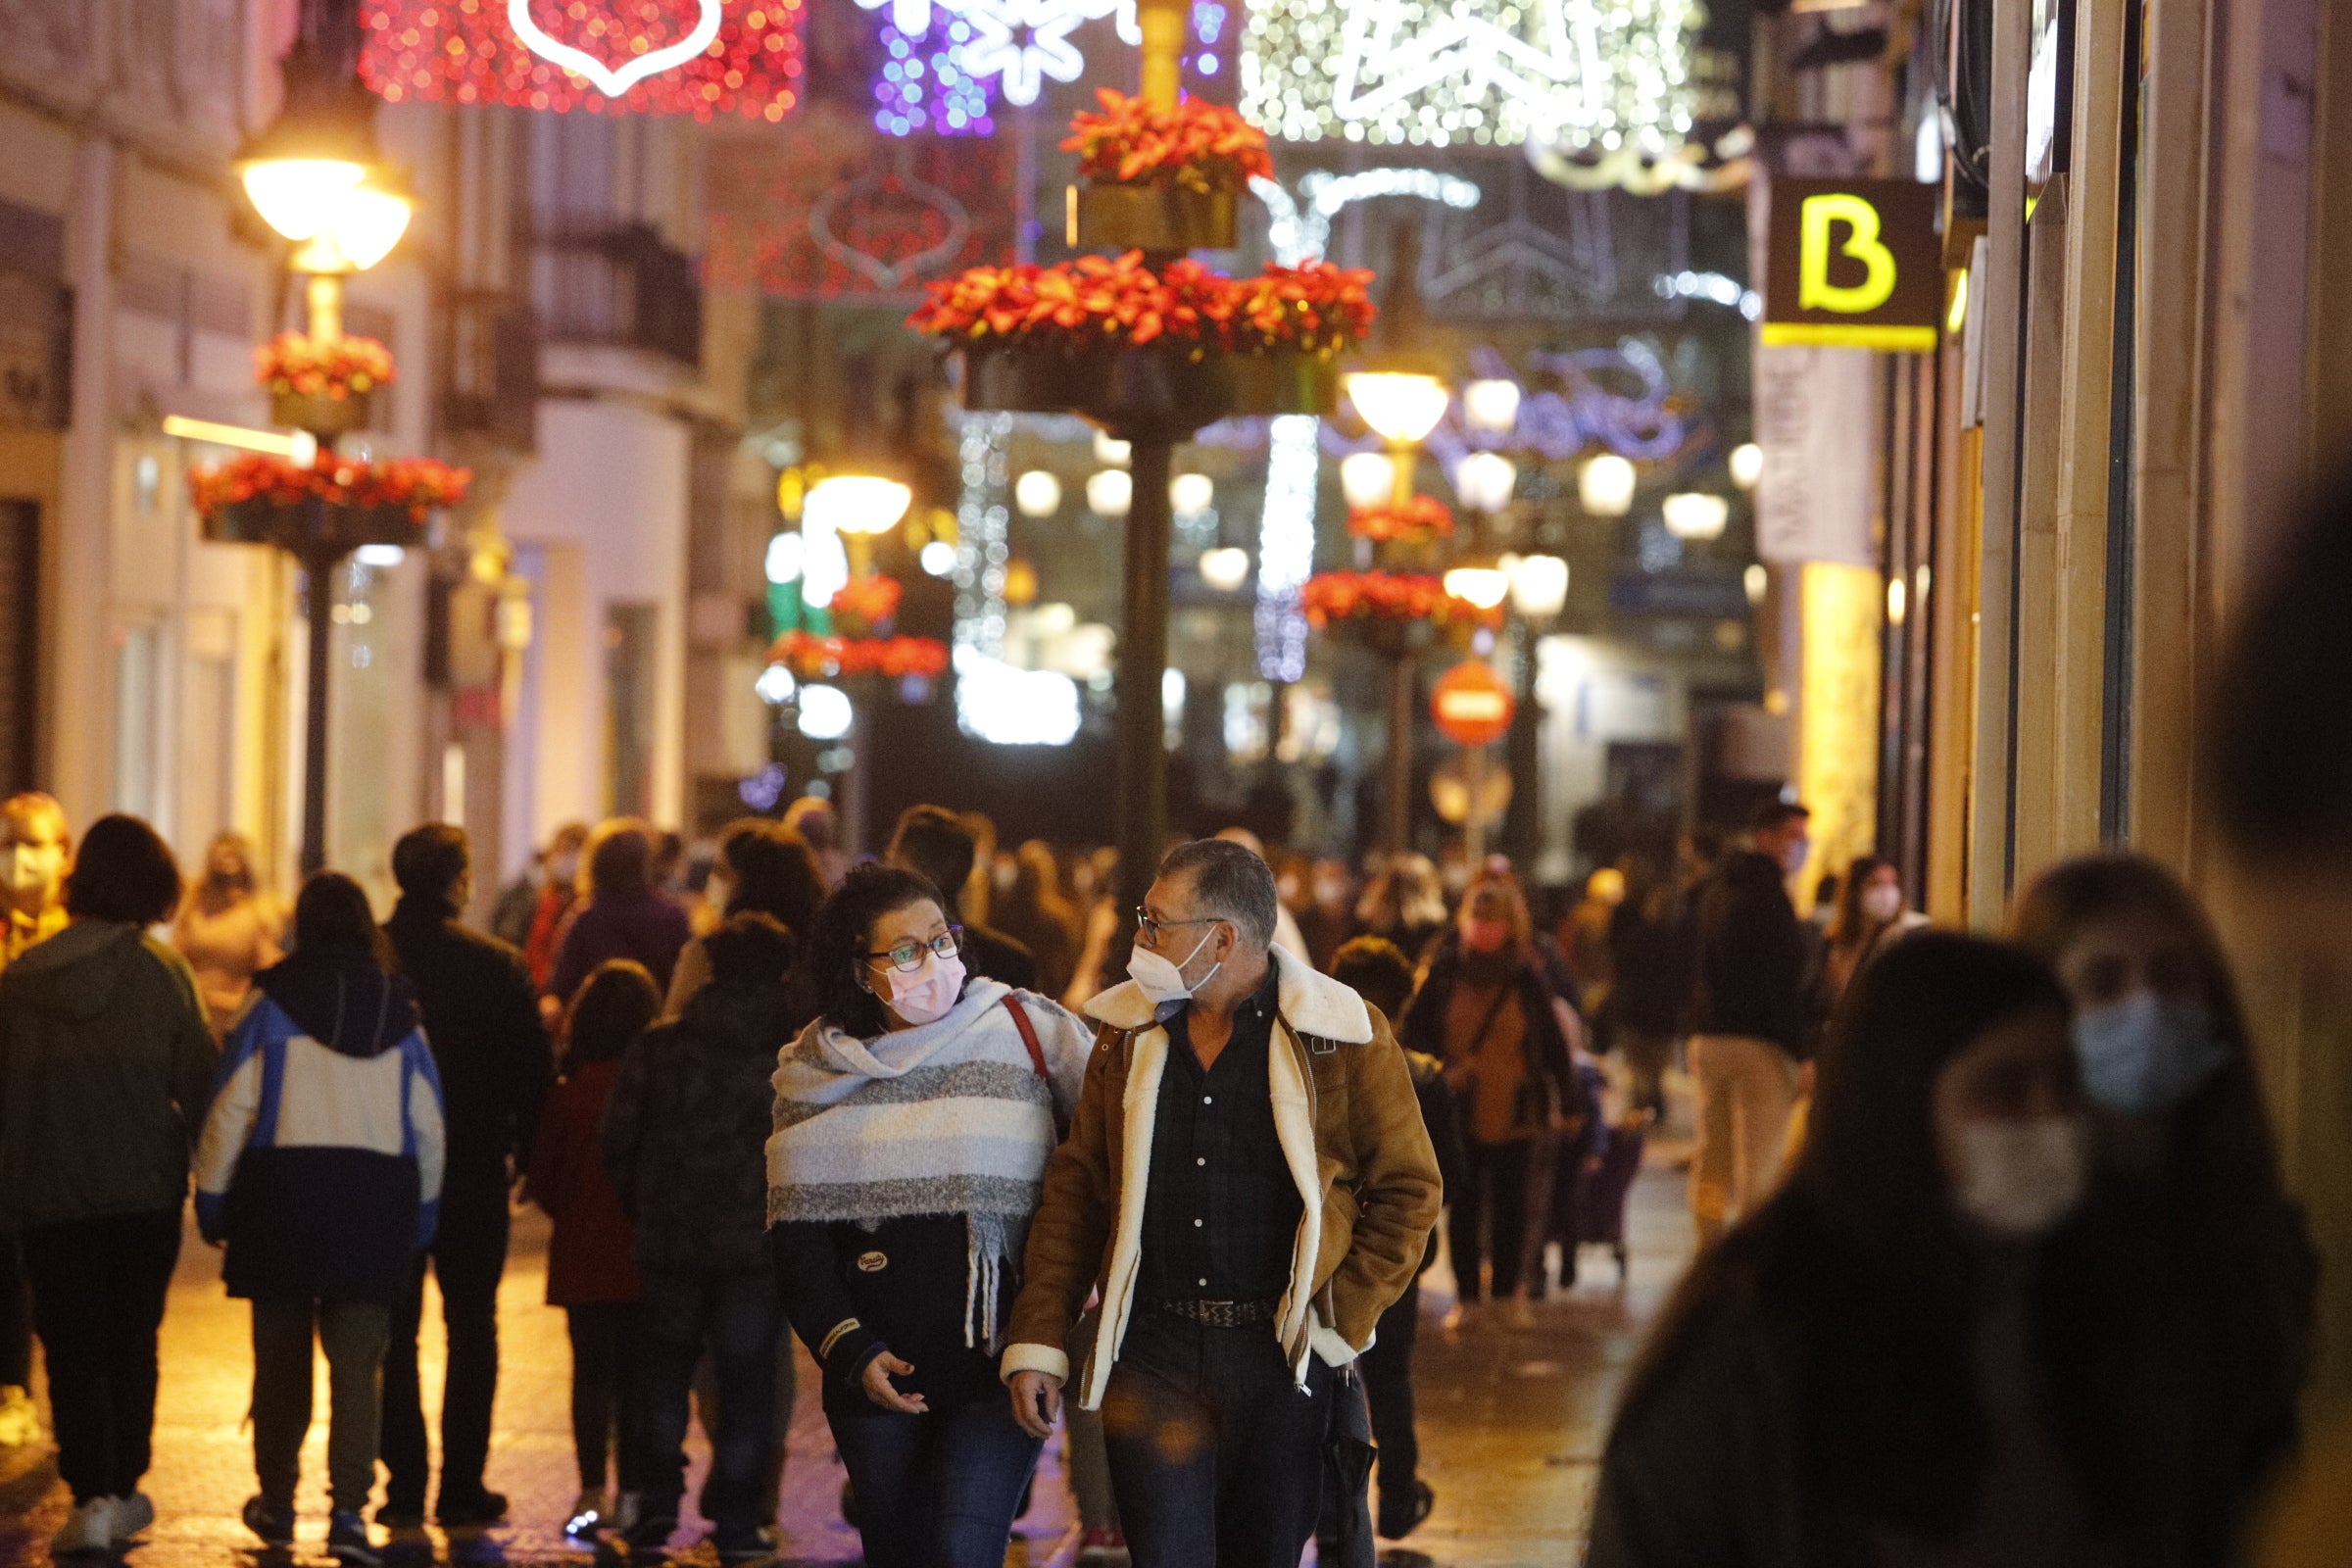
(1222, 1314)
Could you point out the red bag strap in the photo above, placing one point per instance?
(1020, 1021)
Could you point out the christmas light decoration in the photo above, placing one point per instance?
(945, 55)
(1579, 75)
(668, 56)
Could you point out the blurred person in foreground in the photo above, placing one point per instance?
(1248, 1185)
(1286, 924)
(912, 1122)
(483, 1026)
(622, 912)
(1377, 970)
(681, 1144)
(1652, 951)
(939, 847)
(320, 1173)
(761, 869)
(591, 1261)
(816, 823)
(1751, 1019)
(2278, 774)
(105, 1069)
(36, 850)
(228, 929)
(2203, 1223)
(1485, 1012)
(1916, 1351)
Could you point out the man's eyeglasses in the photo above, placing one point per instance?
(908, 956)
(1151, 925)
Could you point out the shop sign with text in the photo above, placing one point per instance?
(1853, 264)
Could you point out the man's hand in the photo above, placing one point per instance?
(1035, 1402)
(876, 1378)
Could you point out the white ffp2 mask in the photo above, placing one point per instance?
(2019, 1178)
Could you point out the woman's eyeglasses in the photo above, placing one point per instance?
(908, 956)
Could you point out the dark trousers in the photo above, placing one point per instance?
(1387, 1373)
(604, 1363)
(1490, 1218)
(15, 1316)
(736, 1313)
(1216, 1453)
(468, 1257)
(939, 1490)
(352, 1336)
(98, 1290)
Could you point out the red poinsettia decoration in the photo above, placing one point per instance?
(292, 365)
(813, 658)
(1418, 518)
(1196, 145)
(1119, 302)
(415, 485)
(866, 605)
(1390, 596)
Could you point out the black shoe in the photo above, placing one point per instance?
(473, 1513)
(347, 1541)
(742, 1544)
(274, 1526)
(401, 1515)
(1402, 1513)
(650, 1537)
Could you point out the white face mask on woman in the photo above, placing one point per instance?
(2019, 1178)
(1881, 901)
(930, 993)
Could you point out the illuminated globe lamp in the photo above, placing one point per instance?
(1037, 493)
(1367, 480)
(1401, 407)
(1484, 481)
(1604, 485)
(1540, 587)
(1225, 569)
(1694, 515)
(858, 507)
(1110, 493)
(1746, 464)
(1490, 405)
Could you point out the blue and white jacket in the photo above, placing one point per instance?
(322, 1159)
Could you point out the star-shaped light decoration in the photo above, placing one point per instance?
(1021, 42)
(1598, 75)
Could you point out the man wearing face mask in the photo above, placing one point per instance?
(1249, 1184)
(1751, 1020)
(36, 849)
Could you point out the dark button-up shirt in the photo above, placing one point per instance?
(1221, 1214)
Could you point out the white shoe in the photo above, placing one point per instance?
(90, 1527)
(132, 1514)
(19, 1418)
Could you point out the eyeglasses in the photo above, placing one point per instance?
(908, 956)
(1151, 925)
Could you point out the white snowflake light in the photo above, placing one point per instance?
(1596, 75)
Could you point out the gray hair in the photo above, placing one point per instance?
(1230, 882)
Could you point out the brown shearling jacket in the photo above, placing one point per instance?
(1352, 1133)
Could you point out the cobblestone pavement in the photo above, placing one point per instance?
(1511, 1422)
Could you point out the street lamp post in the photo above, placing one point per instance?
(1538, 594)
(1402, 408)
(311, 178)
(859, 509)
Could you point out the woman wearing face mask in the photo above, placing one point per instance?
(913, 1123)
(1870, 917)
(2192, 1185)
(1485, 1011)
(227, 930)
(761, 869)
(1907, 1355)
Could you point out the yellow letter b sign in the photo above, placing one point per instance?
(1854, 263)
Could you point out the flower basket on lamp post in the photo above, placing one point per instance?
(325, 386)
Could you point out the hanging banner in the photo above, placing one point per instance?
(1816, 422)
(1853, 264)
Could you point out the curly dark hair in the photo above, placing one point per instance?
(843, 935)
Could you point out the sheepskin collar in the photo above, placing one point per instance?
(1311, 1003)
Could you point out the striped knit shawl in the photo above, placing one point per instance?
(945, 1119)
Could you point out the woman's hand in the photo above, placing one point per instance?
(876, 1378)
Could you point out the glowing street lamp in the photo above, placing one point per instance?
(1604, 485)
(1484, 482)
(858, 507)
(1037, 493)
(1367, 478)
(1696, 515)
(1746, 464)
(1540, 586)
(1492, 406)
(1111, 492)
(1225, 569)
(1402, 408)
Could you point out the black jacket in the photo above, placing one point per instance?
(994, 956)
(489, 1044)
(902, 1285)
(1655, 953)
(685, 1134)
(1443, 1118)
(1754, 958)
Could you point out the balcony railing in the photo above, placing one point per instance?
(605, 283)
(493, 360)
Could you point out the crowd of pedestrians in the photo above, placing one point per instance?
(1995, 1262)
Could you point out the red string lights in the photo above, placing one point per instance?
(464, 52)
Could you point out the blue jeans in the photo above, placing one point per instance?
(735, 1313)
(1216, 1453)
(938, 1489)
